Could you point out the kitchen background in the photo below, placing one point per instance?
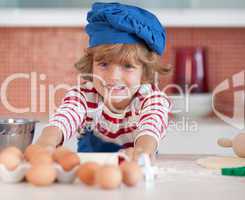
(48, 37)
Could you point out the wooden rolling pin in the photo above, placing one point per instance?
(237, 144)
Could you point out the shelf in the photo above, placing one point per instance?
(77, 17)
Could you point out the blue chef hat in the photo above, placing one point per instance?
(112, 23)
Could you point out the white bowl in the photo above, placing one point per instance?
(100, 158)
(192, 105)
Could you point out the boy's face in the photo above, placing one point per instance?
(116, 83)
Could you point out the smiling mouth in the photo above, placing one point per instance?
(117, 92)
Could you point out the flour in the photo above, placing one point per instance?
(221, 162)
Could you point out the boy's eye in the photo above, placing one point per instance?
(128, 66)
(103, 64)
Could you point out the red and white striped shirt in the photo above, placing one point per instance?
(83, 107)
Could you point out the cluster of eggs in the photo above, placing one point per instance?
(109, 176)
(43, 173)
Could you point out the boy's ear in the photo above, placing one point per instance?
(143, 78)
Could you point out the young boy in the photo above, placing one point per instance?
(118, 107)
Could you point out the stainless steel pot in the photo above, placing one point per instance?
(16, 132)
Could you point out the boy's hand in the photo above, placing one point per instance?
(50, 138)
(133, 153)
(144, 144)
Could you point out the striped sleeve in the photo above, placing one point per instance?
(71, 114)
(153, 119)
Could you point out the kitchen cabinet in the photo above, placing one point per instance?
(143, 3)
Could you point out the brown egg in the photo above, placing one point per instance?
(69, 161)
(14, 150)
(39, 158)
(87, 171)
(238, 145)
(10, 160)
(59, 152)
(131, 173)
(109, 177)
(41, 175)
(33, 149)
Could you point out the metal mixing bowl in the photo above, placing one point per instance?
(16, 132)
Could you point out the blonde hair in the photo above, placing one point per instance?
(124, 54)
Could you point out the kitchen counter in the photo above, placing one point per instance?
(178, 178)
(184, 136)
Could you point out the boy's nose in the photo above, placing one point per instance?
(115, 73)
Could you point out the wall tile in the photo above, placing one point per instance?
(53, 51)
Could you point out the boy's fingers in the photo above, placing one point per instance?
(129, 152)
(50, 149)
(133, 153)
(136, 154)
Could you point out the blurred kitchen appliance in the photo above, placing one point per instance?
(191, 69)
